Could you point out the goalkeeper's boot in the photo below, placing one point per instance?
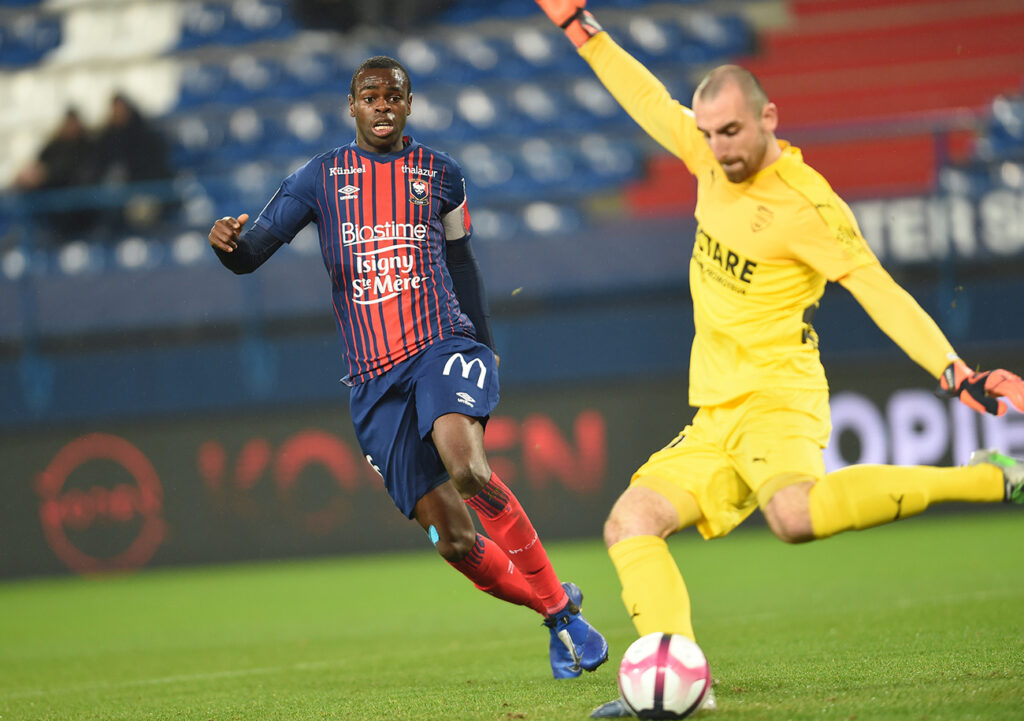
(576, 646)
(1013, 472)
(620, 709)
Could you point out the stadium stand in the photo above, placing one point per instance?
(924, 94)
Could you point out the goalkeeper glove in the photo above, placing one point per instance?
(572, 16)
(981, 391)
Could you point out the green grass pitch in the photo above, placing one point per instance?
(919, 620)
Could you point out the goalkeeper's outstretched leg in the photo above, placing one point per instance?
(864, 496)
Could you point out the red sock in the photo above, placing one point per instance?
(507, 524)
(489, 569)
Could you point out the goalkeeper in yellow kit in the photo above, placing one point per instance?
(771, 232)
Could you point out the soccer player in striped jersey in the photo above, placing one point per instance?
(771, 232)
(409, 306)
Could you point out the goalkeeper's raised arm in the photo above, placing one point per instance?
(635, 88)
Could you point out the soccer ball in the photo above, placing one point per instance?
(664, 676)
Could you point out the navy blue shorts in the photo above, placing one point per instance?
(394, 413)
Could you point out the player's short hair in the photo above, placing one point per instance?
(723, 75)
(380, 61)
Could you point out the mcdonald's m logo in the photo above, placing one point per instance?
(466, 368)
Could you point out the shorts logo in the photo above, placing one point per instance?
(374, 466)
(419, 192)
(466, 399)
(466, 368)
(349, 192)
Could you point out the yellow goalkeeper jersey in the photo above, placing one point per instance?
(763, 252)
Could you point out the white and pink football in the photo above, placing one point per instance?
(664, 676)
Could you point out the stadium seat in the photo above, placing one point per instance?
(201, 83)
(1006, 126)
(203, 23)
(304, 73)
(251, 78)
(195, 137)
(26, 38)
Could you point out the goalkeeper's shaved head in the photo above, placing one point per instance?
(742, 78)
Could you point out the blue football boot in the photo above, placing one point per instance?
(576, 646)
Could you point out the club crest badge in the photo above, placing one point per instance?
(419, 191)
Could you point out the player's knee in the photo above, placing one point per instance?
(790, 527)
(788, 513)
(615, 530)
(468, 478)
(621, 525)
(457, 546)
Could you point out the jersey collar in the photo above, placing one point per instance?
(408, 141)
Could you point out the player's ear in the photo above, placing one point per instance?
(408, 105)
(770, 117)
(351, 106)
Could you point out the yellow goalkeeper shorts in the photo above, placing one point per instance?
(732, 457)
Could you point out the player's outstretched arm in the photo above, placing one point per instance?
(573, 17)
(241, 253)
(901, 318)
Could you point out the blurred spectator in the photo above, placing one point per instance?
(132, 151)
(68, 160)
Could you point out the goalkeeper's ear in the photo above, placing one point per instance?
(573, 17)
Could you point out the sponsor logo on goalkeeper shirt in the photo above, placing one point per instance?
(719, 263)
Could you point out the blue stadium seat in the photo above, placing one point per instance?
(488, 169)
(477, 112)
(201, 83)
(428, 62)
(250, 132)
(594, 102)
(544, 218)
(1006, 127)
(26, 38)
(196, 136)
(605, 161)
(544, 168)
(473, 56)
(203, 23)
(238, 23)
(252, 78)
(257, 20)
(307, 73)
(713, 36)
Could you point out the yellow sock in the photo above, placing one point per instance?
(864, 496)
(652, 587)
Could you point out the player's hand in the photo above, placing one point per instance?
(982, 391)
(224, 233)
(572, 16)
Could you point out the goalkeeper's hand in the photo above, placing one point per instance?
(572, 16)
(982, 391)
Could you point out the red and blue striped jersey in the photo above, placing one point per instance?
(381, 220)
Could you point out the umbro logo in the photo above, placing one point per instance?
(348, 192)
(465, 399)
